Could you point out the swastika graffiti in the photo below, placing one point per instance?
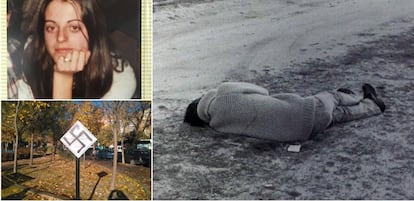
(76, 136)
(78, 139)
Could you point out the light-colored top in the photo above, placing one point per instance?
(17, 88)
(247, 109)
(123, 85)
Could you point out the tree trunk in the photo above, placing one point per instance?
(115, 159)
(16, 143)
(15, 147)
(143, 123)
(122, 150)
(31, 150)
(53, 150)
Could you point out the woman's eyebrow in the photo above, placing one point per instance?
(69, 21)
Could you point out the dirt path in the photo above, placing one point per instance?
(307, 51)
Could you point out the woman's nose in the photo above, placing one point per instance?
(62, 35)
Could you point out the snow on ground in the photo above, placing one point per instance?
(289, 46)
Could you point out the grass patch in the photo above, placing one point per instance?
(58, 178)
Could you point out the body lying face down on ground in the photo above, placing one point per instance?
(249, 110)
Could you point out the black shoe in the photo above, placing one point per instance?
(370, 93)
(377, 101)
(368, 89)
(345, 90)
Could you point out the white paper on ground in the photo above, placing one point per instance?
(294, 148)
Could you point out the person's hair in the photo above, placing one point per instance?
(14, 9)
(95, 79)
(14, 36)
(13, 28)
(191, 115)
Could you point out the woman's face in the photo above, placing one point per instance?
(64, 30)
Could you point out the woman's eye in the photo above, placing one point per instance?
(50, 28)
(74, 28)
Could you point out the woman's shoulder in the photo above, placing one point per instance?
(125, 73)
(124, 81)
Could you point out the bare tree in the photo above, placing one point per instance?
(24, 115)
(142, 119)
(16, 144)
(112, 112)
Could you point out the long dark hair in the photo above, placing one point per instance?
(15, 40)
(191, 115)
(96, 78)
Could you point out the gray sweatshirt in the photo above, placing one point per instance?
(247, 109)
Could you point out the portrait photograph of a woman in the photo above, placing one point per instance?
(73, 49)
